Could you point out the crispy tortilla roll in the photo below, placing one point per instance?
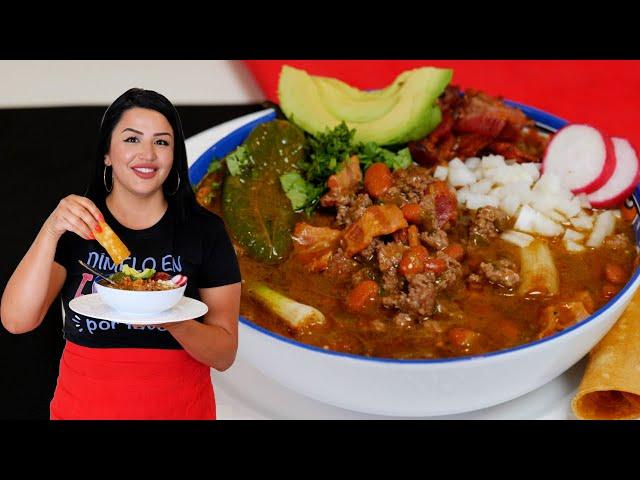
(610, 388)
(112, 243)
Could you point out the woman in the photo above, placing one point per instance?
(141, 189)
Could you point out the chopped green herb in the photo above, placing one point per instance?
(238, 160)
(329, 150)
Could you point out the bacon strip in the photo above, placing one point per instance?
(377, 220)
(446, 204)
(344, 183)
(314, 246)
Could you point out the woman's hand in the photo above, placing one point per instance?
(74, 214)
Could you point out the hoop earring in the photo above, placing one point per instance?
(104, 179)
(177, 186)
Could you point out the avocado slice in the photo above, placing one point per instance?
(353, 105)
(147, 273)
(301, 102)
(356, 94)
(127, 270)
(410, 116)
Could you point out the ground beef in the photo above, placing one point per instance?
(451, 277)
(341, 266)
(391, 282)
(501, 272)
(420, 301)
(436, 240)
(368, 253)
(474, 278)
(421, 298)
(487, 224)
(409, 185)
(389, 255)
(352, 208)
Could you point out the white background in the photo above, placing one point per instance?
(34, 83)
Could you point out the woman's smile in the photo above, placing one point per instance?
(145, 170)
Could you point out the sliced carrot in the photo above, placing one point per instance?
(455, 251)
(364, 293)
(413, 236)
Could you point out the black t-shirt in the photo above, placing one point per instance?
(200, 249)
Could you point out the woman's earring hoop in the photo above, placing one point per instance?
(177, 186)
(104, 178)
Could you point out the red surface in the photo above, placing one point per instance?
(131, 384)
(603, 93)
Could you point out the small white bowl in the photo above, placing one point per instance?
(141, 303)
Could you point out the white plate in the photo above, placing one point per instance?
(243, 392)
(92, 306)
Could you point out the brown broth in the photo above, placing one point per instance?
(504, 319)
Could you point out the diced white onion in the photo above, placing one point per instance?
(456, 163)
(573, 246)
(532, 221)
(517, 238)
(572, 235)
(570, 208)
(542, 204)
(555, 216)
(477, 200)
(472, 163)
(533, 169)
(462, 195)
(582, 222)
(441, 173)
(510, 204)
(461, 176)
(492, 161)
(483, 186)
(604, 226)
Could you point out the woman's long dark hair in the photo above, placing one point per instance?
(183, 199)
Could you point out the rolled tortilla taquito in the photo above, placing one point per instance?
(112, 243)
(610, 388)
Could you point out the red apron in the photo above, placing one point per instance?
(131, 384)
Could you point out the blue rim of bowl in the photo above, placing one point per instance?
(544, 121)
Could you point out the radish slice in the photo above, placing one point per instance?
(582, 156)
(623, 180)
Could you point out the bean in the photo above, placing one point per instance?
(609, 290)
(413, 212)
(411, 263)
(377, 179)
(615, 274)
(435, 265)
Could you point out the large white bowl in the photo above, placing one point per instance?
(129, 301)
(418, 387)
